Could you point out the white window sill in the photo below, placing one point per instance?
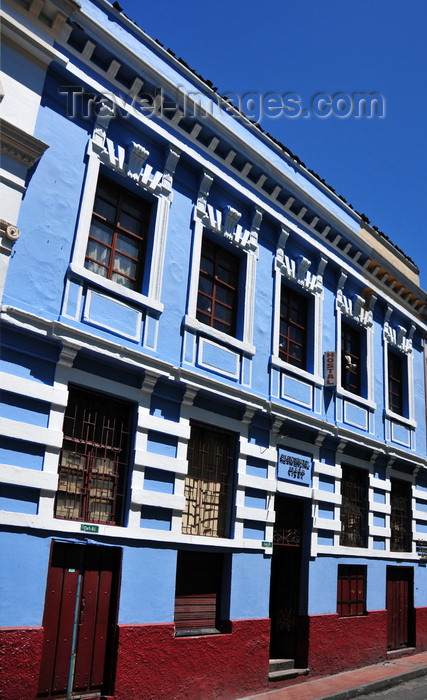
(197, 326)
(397, 418)
(299, 373)
(366, 403)
(114, 288)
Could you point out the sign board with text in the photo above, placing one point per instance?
(294, 467)
(330, 368)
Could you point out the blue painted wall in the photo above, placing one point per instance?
(250, 586)
(23, 574)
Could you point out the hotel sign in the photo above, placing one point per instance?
(294, 467)
(422, 549)
(330, 368)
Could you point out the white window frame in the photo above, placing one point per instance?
(295, 273)
(354, 309)
(224, 224)
(399, 340)
(158, 184)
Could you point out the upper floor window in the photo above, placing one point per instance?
(117, 236)
(351, 594)
(94, 458)
(395, 382)
(208, 484)
(217, 298)
(354, 507)
(400, 516)
(351, 358)
(293, 327)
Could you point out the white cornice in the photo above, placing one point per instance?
(20, 145)
(28, 41)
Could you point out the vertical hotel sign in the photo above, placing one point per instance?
(330, 368)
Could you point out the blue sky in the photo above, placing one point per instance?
(331, 47)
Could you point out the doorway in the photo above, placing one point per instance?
(286, 578)
(400, 607)
(79, 621)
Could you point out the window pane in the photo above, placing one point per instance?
(222, 313)
(128, 246)
(207, 266)
(226, 275)
(130, 223)
(224, 295)
(107, 189)
(293, 327)
(217, 298)
(124, 265)
(98, 252)
(98, 269)
(105, 209)
(107, 245)
(101, 232)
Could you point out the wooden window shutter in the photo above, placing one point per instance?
(198, 586)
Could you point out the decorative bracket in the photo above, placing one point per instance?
(398, 336)
(104, 116)
(355, 308)
(8, 235)
(203, 194)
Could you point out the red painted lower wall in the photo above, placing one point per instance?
(152, 664)
(341, 643)
(20, 656)
(421, 629)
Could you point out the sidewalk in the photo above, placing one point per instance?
(351, 684)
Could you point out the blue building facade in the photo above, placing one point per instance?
(213, 369)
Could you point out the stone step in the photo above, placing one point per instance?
(286, 674)
(281, 664)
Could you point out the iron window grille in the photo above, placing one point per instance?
(217, 298)
(354, 507)
(395, 384)
(351, 594)
(207, 491)
(350, 359)
(293, 327)
(93, 459)
(400, 516)
(117, 236)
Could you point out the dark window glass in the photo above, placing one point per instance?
(93, 460)
(217, 298)
(400, 516)
(395, 386)
(117, 236)
(208, 482)
(354, 507)
(351, 594)
(350, 359)
(293, 327)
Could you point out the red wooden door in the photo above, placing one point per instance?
(79, 620)
(400, 608)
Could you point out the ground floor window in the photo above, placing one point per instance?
(351, 594)
(94, 458)
(208, 484)
(199, 582)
